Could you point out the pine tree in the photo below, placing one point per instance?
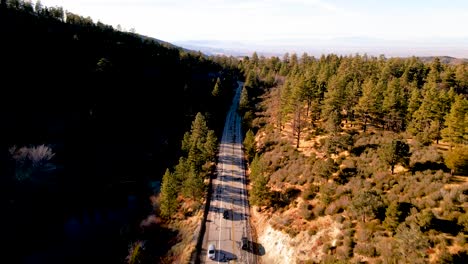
(395, 152)
(211, 146)
(217, 90)
(366, 204)
(181, 172)
(392, 216)
(456, 130)
(169, 202)
(244, 101)
(195, 146)
(423, 123)
(413, 104)
(250, 145)
(461, 74)
(251, 81)
(333, 104)
(413, 244)
(38, 7)
(394, 105)
(260, 194)
(193, 186)
(457, 159)
(367, 105)
(435, 71)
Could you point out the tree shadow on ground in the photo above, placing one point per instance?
(255, 248)
(446, 226)
(429, 165)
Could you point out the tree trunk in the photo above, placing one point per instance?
(298, 127)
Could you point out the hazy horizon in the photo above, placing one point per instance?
(343, 46)
(393, 28)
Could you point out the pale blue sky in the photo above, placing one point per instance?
(257, 21)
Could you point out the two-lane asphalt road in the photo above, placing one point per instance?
(229, 194)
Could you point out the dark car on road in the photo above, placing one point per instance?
(227, 213)
(244, 243)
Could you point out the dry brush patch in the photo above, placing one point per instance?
(331, 171)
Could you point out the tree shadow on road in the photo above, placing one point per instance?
(224, 256)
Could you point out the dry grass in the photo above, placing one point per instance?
(188, 228)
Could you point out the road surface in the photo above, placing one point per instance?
(229, 193)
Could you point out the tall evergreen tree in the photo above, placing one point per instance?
(211, 146)
(333, 103)
(217, 90)
(392, 216)
(394, 105)
(457, 159)
(456, 130)
(435, 71)
(260, 194)
(366, 204)
(426, 121)
(181, 172)
(250, 145)
(168, 195)
(395, 152)
(413, 104)
(244, 101)
(193, 187)
(367, 106)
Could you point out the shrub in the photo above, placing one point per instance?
(292, 232)
(310, 192)
(363, 234)
(461, 239)
(323, 168)
(327, 192)
(319, 210)
(305, 211)
(326, 248)
(312, 231)
(387, 248)
(344, 252)
(348, 242)
(425, 155)
(331, 209)
(339, 219)
(365, 249)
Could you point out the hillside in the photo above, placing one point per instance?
(348, 164)
(91, 118)
(445, 59)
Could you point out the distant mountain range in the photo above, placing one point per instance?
(445, 59)
(447, 48)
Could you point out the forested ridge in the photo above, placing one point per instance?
(91, 117)
(374, 147)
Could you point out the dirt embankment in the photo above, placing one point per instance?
(282, 248)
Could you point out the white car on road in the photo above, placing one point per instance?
(211, 251)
